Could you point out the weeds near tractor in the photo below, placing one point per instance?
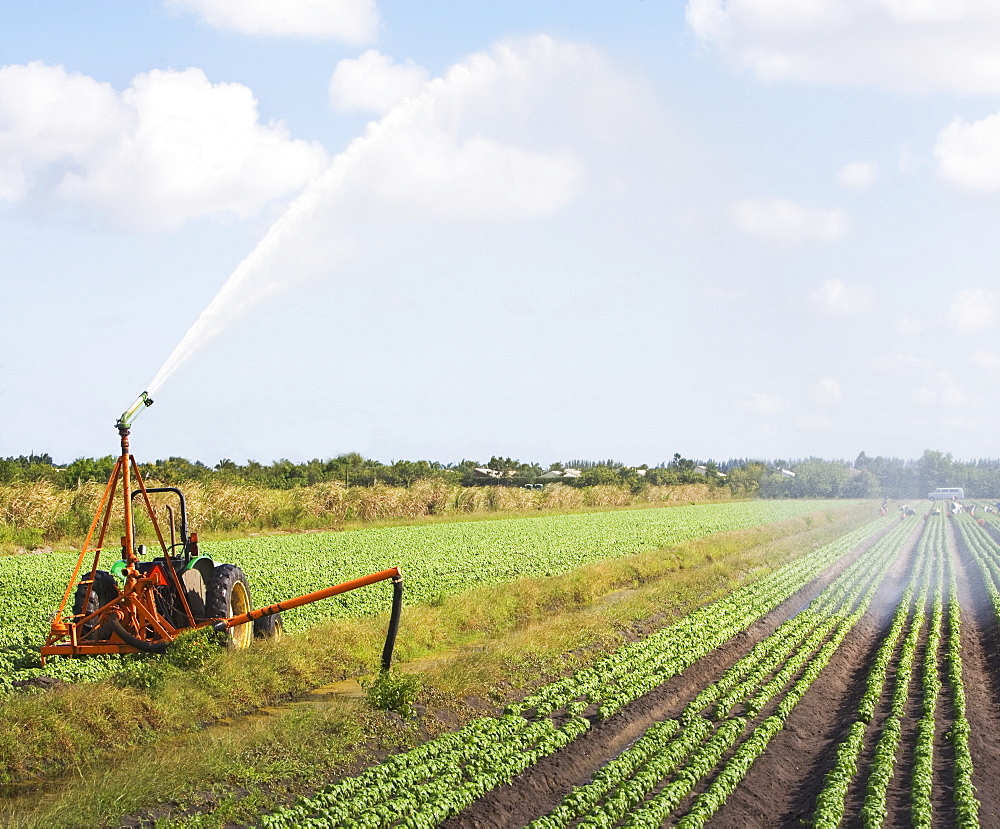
(193, 648)
(393, 691)
(189, 651)
(143, 673)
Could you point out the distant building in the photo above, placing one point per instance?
(553, 474)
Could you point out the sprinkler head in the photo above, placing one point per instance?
(125, 421)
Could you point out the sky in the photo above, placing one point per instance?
(530, 228)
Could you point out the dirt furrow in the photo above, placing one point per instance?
(780, 789)
(539, 789)
(981, 676)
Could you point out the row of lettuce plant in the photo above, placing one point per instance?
(986, 554)
(963, 791)
(830, 802)
(874, 810)
(922, 780)
(647, 782)
(423, 786)
(426, 785)
(733, 772)
(613, 682)
(966, 805)
(788, 642)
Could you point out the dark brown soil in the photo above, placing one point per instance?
(538, 790)
(780, 789)
(981, 675)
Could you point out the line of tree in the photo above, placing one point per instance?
(865, 477)
(354, 469)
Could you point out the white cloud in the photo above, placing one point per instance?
(824, 392)
(373, 83)
(481, 142)
(353, 21)
(171, 147)
(761, 403)
(925, 46)
(973, 309)
(788, 222)
(969, 154)
(858, 175)
(837, 298)
(431, 174)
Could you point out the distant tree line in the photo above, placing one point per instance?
(354, 469)
(865, 477)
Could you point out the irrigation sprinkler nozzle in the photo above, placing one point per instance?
(130, 414)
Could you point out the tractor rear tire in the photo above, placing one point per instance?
(103, 591)
(269, 627)
(228, 595)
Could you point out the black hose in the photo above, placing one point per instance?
(397, 608)
(134, 641)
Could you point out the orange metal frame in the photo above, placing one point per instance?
(134, 608)
(133, 611)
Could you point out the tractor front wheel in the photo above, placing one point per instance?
(228, 595)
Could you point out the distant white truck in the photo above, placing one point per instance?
(947, 493)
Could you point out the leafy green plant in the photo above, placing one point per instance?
(193, 648)
(393, 691)
(143, 673)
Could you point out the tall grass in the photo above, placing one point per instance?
(31, 514)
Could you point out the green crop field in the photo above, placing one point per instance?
(436, 560)
(684, 769)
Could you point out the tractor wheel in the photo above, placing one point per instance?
(227, 595)
(269, 627)
(104, 590)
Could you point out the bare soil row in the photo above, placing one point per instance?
(782, 786)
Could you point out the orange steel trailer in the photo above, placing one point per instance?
(143, 603)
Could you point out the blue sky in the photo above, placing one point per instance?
(447, 230)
